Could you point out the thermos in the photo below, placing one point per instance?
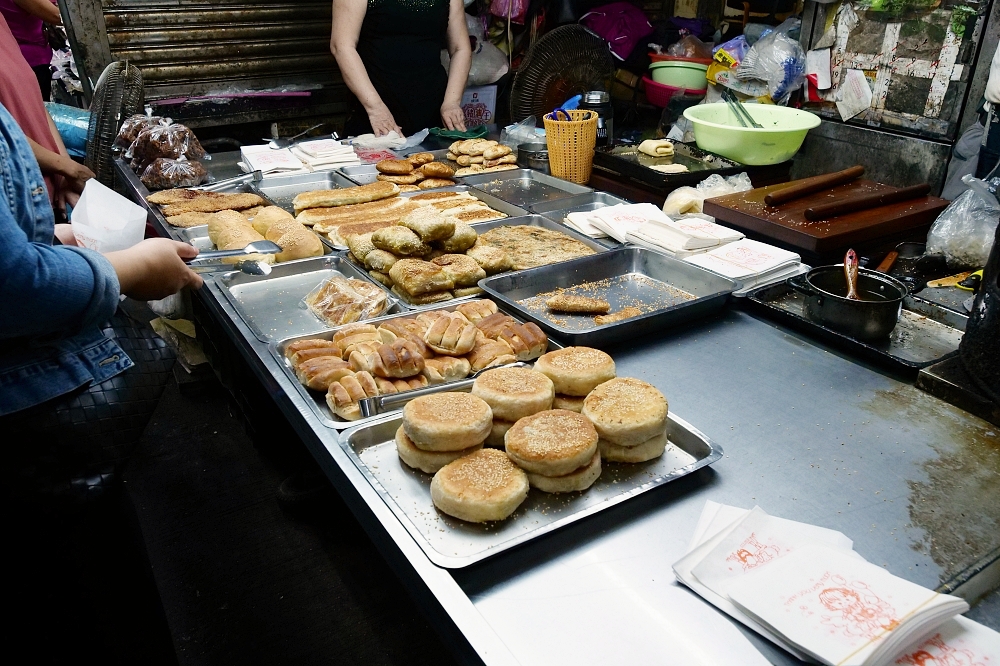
(600, 101)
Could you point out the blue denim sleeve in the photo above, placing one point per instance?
(46, 290)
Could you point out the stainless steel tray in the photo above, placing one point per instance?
(272, 305)
(317, 400)
(454, 544)
(667, 292)
(558, 209)
(525, 187)
(281, 189)
(531, 220)
(367, 173)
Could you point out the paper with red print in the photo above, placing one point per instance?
(743, 259)
(957, 642)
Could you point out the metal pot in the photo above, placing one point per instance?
(533, 156)
(872, 318)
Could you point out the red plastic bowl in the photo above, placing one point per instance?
(659, 94)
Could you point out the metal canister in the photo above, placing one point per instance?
(600, 101)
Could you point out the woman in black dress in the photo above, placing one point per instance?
(389, 53)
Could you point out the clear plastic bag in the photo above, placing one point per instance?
(171, 141)
(522, 132)
(690, 46)
(341, 300)
(163, 173)
(777, 59)
(686, 200)
(964, 231)
(134, 125)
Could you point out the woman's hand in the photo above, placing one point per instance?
(452, 116)
(64, 232)
(382, 121)
(154, 269)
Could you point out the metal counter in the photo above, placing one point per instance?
(808, 434)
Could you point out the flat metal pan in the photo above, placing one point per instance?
(666, 291)
(317, 400)
(628, 161)
(271, 305)
(925, 334)
(282, 189)
(530, 220)
(364, 174)
(525, 187)
(454, 544)
(558, 209)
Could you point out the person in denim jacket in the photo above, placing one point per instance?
(54, 298)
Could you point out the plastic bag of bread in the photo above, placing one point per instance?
(133, 125)
(341, 300)
(172, 141)
(163, 173)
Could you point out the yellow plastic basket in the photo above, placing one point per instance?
(571, 144)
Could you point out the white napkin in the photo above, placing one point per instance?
(324, 148)
(686, 234)
(580, 221)
(959, 641)
(745, 259)
(619, 221)
(329, 160)
(262, 158)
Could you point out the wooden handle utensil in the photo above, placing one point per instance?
(801, 188)
(826, 211)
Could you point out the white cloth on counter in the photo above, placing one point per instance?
(748, 261)
(262, 158)
(299, 158)
(804, 588)
(390, 141)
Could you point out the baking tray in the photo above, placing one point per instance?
(198, 237)
(271, 305)
(666, 290)
(525, 187)
(317, 400)
(628, 161)
(558, 209)
(926, 333)
(454, 544)
(364, 174)
(531, 220)
(282, 189)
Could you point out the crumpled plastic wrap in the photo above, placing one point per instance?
(690, 46)
(171, 140)
(163, 173)
(522, 132)
(964, 231)
(777, 59)
(341, 300)
(686, 200)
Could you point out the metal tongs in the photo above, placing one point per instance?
(253, 177)
(250, 267)
(741, 112)
(387, 403)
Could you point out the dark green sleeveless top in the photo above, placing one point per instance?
(400, 45)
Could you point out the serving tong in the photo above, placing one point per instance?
(248, 266)
(252, 177)
(741, 112)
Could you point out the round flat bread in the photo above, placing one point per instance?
(576, 370)
(447, 421)
(648, 450)
(482, 486)
(420, 158)
(405, 179)
(432, 183)
(426, 461)
(575, 481)
(497, 433)
(394, 167)
(552, 443)
(513, 393)
(626, 411)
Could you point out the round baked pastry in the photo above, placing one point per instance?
(484, 485)
(552, 443)
(576, 370)
(575, 481)
(401, 179)
(513, 393)
(497, 433)
(420, 158)
(437, 170)
(426, 461)
(626, 411)
(394, 167)
(447, 421)
(651, 448)
(573, 403)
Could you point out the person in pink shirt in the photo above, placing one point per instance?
(25, 19)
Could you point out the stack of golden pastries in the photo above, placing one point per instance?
(365, 360)
(416, 172)
(481, 156)
(547, 427)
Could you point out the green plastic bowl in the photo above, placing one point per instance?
(717, 130)
(680, 74)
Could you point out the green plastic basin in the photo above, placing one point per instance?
(680, 74)
(717, 130)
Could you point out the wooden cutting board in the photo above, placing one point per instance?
(787, 224)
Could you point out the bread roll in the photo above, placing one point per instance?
(526, 340)
(343, 396)
(553, 442)
(576, 370)
(443, 369)
(390, 386)
(447, 421)
(626, 411)
(513, 393)
(352, 334)
(475, 311)
(451, 335)
(489, 353)
(426, 461)
(648, 450)
(313, 352)
(310, 343)
(481, 486)
(400, 359)
(495, 324)
(575, 481)
(318, 373)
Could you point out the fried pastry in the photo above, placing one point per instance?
(399, 240)
(459, 292)
(344, 196)
(463, 270)
(574, 303)
(419, 159)
(624, 313)
(405, 179)
(429, 224)
(380, 260)
(427, 298)
(179, 195)
(381, 278)
(493, 260)
(213, 204)
(416, 277)
(495, 152)
(461, 240)
(360, 245)
(394, 167)
(437, 170)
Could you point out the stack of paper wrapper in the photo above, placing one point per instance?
(750, 262)
(300, 158)
(325, 154)
(804, 588)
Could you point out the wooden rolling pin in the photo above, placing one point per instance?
(853, 205)
(801, 188)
